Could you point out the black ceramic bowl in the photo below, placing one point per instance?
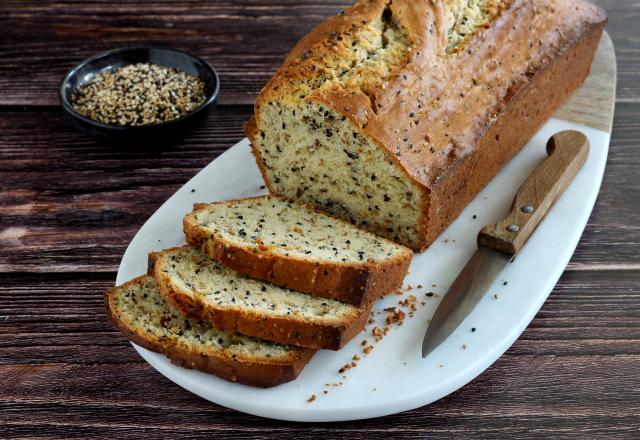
(146, 134)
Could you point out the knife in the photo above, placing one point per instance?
(498, 243)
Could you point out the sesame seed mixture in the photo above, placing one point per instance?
(139, 94)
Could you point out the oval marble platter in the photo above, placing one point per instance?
(394, 377)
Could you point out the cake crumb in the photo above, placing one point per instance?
(346, 367)
(377, 333)
(395, 316)
(312, 398)
(408, 301)
(364, 342)
(495, 296)
(419, 286)
(367, 349)
(356, 357)
(325, 392)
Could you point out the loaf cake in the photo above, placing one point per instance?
(292, 245)
(144, 317)
(203, 289)
(395, 113)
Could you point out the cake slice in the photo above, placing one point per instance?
(138, 310)
(293, 245)
(203, 289)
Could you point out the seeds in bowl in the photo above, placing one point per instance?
(139, 94)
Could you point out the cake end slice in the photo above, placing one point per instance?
(137, 309)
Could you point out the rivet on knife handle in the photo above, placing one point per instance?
(567, 151)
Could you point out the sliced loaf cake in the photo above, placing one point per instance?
(395, 114)
(203, 289)
(138, 310)
(293, 245)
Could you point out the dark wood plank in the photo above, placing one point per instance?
(245, 40)
(70, 204)
(63, 316)
(56, 182)
(66, 372)
(69, 207)
(523, 397)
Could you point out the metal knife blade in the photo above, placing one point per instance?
(464, 294)
(497, 243)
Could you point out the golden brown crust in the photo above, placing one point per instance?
(521, 118)
(251, 130)
(277, 329)
(240, 369)
(358, 283)
(467, 98)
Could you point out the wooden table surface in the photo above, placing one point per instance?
(69, 207)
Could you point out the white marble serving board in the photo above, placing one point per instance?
(394, 377)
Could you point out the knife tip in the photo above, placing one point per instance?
(427, 347)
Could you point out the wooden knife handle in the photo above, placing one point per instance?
(567, 151)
